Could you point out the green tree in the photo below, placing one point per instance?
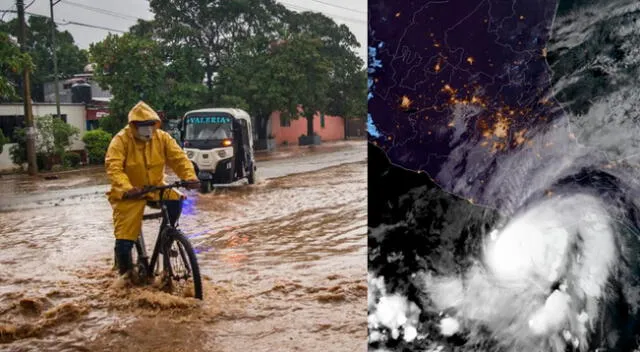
(12, 62)
(279, 77)
(181, 97)
(136, 66)
(349, 101)
(132, 68)
(312, 63)
(251, 78)
(97, 143)
(234, 101)
(310, 71)
(214, 29)
(347, 92)
(356, 102)
(144, 29)
(71, 59)
(183, 81)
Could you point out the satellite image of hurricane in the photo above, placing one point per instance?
(504, 175)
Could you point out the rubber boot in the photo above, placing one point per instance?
(123, 255)
(123, 262)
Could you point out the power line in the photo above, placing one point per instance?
(91, 26)
(301, 8)
(65, 23)
(4, 12)
(338, 6)
(102, 11)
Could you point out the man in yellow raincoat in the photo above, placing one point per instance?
(137, 157)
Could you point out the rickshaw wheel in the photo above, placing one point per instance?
(205, 187)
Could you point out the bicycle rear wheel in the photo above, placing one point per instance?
(180, 265)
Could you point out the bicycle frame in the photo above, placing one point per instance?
(140, 243)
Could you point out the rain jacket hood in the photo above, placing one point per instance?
(143, 112)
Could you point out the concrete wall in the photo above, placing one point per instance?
(333, 129)
(75, 117)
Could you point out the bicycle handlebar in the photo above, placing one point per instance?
(148, 189)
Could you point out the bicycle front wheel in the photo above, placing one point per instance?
(181, 265)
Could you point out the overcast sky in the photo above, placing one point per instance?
(121, 14)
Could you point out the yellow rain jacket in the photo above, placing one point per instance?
(131, 163)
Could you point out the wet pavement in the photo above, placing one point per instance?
(292, 151)
(87, 185)
(284, 261)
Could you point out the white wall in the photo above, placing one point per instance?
(76, 116)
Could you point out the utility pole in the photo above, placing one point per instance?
(55, 56)
(26, 87)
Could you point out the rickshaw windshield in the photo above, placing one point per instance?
(200, 128)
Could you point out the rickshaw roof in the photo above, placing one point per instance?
(236, 113)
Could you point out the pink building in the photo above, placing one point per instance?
(329, 128)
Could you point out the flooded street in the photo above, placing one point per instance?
(284, 263)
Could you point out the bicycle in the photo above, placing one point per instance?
(146, 270)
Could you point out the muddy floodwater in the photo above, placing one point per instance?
(284, 263)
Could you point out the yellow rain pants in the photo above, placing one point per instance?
(131, 163)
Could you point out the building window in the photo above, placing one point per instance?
(322, 120)
(285, 122)
(10, 123)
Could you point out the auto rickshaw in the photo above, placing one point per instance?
(219, 142)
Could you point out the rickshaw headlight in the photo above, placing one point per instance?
(222, 153)
(190, 154)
